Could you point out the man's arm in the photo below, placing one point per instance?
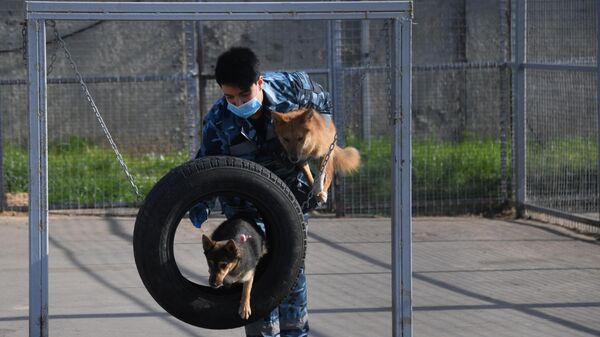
(311, 94)
(212, 144)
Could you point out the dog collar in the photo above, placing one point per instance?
(244, 237)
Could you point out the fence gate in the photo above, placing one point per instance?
(396, 17)
(556, 112)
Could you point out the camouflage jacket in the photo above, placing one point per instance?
(224, 133)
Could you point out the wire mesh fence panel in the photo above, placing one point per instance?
(135, 73)
(458, 148)
(561, 31)
(138, 72)
(460, 109)
(562, 110)
(562, 141)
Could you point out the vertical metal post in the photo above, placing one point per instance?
(401, 178)
(191, 88)
(38, 176)
(202, 82)
(598, 99)
(504, 102)
(519, 101)
(335, 86)
(365, 54)
(3, 205)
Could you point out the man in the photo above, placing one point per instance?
(239, 124)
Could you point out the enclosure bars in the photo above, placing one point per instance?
(398, 11)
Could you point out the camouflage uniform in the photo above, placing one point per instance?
(226, 134)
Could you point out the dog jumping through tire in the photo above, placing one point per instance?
(232, 253)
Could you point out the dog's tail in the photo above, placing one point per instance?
(346, 160)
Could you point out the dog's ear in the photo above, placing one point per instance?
(280, 117)
(207, 243)
(230, 246)
(308, 114)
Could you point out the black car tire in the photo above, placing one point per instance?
(168, 202)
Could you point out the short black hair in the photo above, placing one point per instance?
(237, 67)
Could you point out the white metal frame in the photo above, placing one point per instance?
(398, 11)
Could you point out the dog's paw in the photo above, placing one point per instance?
(322, 197)
(245, 310)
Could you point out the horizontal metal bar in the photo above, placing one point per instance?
(105, 79)
(459, 66)
(562, 215)
(216, 7)
(211, 16)
(62, 10)
(558, 67)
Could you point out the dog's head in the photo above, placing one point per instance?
(294, 132)
(222, 257)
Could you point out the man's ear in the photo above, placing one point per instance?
(231, 247)
(207, 243)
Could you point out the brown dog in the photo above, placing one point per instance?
(306, 134)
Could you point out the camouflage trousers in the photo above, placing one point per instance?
(289, 319)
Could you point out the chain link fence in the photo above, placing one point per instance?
(140, 75)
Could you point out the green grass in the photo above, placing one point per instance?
(471, 168)
(86, 174)
(82, 173)
(571, 156)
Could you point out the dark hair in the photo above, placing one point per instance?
(237, 67)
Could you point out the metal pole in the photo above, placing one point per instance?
(519, 92)
(401, 178)
(38, 175)
(191, 88)
(504, 102)
(3, 205)
(335, 73)
(365, 58)
(598, 101)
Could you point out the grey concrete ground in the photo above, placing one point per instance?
(472, 277)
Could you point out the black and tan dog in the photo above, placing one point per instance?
(232, 254)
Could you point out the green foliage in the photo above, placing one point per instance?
(82, 173)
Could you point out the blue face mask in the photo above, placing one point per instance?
(245, 110)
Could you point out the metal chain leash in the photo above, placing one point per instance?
(92, 103)
(306, 202)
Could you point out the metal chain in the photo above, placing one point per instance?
(388, 63)
(305, 204)
(90, 99)
(52, 24)
(24, 35)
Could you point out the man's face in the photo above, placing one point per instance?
(237, 96)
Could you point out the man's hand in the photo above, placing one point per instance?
(198, 214)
